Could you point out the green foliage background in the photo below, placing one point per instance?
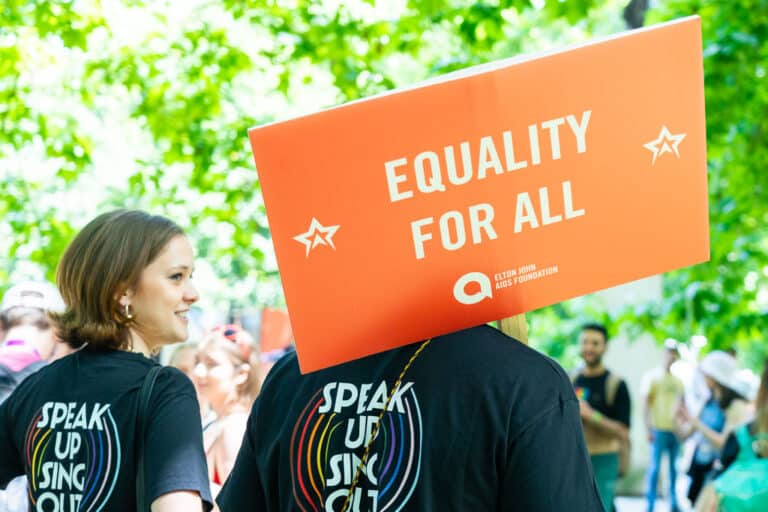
(132, 103)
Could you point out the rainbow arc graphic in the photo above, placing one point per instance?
(318, 437)
(100, 451)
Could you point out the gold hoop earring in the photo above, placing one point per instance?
(128, 313)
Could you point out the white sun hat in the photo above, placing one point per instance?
(722, 367)
(33, 294)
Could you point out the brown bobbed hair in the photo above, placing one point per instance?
(241, 349)
(100, 264)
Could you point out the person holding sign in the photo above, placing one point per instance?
(72, 426)
(403, 215)
(605, 410)
(471, 420)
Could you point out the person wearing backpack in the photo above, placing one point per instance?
(741, 486)
(605, 409)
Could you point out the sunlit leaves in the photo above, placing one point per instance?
(727, 299)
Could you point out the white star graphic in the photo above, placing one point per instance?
(317, 234)
(664, 143)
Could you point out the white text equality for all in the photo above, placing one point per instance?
(432, 174)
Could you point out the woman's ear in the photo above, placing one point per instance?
(124, 296)
(243, 372)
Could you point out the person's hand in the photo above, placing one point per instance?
(683, 414)
(623, 434)
(586, 410)
(651, 435)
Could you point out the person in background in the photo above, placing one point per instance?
(72, 426)
(605, 409)
(185, 358)
(724, 410)
(746, 454)
(226, 371)
(663, 394)
(29, 340)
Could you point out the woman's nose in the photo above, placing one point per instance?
(190, 294)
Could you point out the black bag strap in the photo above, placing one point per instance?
(375, 430)
(141, 420)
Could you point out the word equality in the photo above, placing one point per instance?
(459, 164)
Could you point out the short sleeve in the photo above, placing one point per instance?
(11, 465)
(174, 456)
(622, 407)
(549, 468)
(243, 489)
(647, 385)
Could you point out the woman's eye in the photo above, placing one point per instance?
(177, 276)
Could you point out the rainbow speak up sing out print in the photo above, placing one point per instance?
(330, 434)
(73, 456)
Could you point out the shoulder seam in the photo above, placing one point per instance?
(561, 401)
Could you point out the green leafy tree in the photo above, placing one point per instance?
(187, 96)
(30, 32)
(146, 104)
(726, 299)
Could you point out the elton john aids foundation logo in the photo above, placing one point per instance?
(479, 290)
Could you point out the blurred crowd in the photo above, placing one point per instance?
(711, 406)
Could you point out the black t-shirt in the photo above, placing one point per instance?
(71, 429)
(480, 422)
(594, 389)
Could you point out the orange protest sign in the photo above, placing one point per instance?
(514, 186)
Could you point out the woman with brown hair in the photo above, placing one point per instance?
(73, 427)
(227, 375)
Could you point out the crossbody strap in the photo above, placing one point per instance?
(375, 430)
(612, 383)
(141, 420)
